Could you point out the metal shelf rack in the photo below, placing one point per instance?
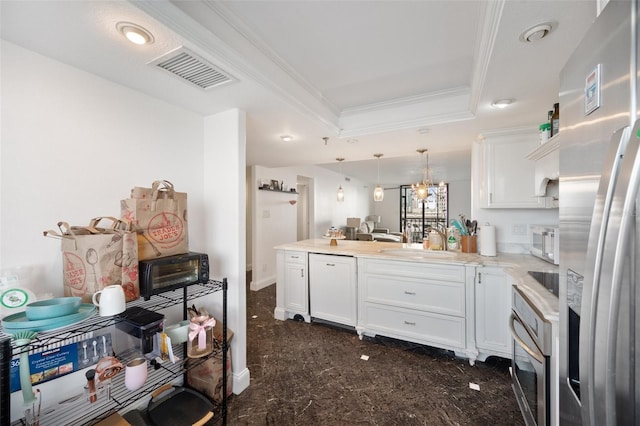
(81, 412)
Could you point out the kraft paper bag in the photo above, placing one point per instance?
(159, 215)
(94, 257)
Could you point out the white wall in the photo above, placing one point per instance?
(274, 219)
(74, 144)
(224, 168)
(388, 209)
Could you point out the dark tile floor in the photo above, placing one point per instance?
(313, 374)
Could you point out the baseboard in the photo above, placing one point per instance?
(241, 381)
(263, 283)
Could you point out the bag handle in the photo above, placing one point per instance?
(93, 223)
(162, 186)
(52, 234)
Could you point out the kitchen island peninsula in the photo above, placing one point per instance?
(446, 299)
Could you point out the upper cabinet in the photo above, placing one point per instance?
(507, 176)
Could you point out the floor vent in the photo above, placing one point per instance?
(192, 68)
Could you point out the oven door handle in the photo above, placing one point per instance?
(535, 354)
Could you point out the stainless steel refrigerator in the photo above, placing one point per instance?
(599, 356)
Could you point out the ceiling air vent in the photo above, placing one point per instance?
(192, 68)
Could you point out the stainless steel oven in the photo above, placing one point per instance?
(531, 360)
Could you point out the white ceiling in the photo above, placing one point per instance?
(365, 74)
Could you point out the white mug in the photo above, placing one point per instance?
(111, 300)
(135, 374)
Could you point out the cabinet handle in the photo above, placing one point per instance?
(409, 323)
(410, 293)
(301, 273)
(331, 264)
(295, 257)
(479, 277)
(490, 197)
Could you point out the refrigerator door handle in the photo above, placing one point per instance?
(597, 238)
(625, 199)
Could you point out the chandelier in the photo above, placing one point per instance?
(421, 189)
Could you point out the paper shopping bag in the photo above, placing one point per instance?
(159, 215)
(94, 257)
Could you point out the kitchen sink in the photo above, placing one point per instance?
(419, 253)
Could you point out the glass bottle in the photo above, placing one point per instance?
(555, 119)
(200, 336)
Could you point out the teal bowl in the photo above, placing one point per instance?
(52, 308)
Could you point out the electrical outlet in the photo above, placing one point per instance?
(266, 214)
(519, 229)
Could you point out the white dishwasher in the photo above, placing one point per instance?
(333, 288)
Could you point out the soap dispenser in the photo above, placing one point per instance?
(435, 240)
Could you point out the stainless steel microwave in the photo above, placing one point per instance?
(172, 272)
(545, 243)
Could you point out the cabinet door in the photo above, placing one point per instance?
(493, 307)
(509, 177)
(296, 290)
(332, 288)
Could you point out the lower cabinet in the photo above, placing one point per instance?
(292, 289)
(332, 288)
(419, 302)
(493, 308)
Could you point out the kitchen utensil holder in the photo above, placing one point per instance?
(469, 243)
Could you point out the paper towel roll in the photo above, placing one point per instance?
(487, 241)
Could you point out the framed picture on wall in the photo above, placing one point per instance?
(275, 184)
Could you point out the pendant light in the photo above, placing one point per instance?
(421, 189)
(378, 192)
(340, 190)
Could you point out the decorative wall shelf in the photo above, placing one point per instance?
(278, 190)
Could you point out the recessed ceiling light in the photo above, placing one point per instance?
(286, 138)
(135, 33)
(502, 103)
(536, 32)
(423, 130)
(352, 140)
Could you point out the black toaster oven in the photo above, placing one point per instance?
(172, 272)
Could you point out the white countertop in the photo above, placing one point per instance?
(516, 265)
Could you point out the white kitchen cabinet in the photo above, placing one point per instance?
(493, 308)
(292, 289)
(332, 288)
(508, 177)
(420, 302)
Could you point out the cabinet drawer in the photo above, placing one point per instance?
(433, 296)
(424, 327)
(436, 271)
(295, 256)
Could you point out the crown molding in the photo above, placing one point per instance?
(487, 33)
(224, 39)
(216, 35)
(427, 109)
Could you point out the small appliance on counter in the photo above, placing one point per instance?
(545, 243)
(172, 272)
(136, 331)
